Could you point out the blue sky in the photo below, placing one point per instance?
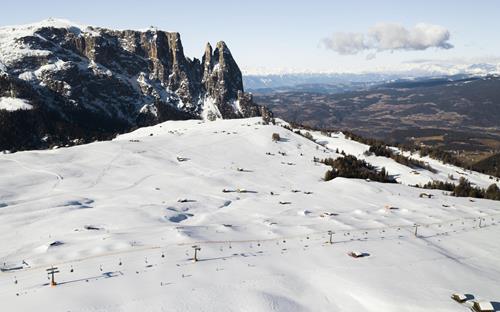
(287, 34)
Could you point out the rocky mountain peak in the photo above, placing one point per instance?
(94, 81)
(208, 50)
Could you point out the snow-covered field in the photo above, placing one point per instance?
(119, 220)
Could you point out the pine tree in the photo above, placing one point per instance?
(276, 137)
(329, 175)
(492, 192)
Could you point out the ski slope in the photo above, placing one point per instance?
(119, 220)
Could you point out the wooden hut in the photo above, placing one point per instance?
(483, 306)
(460, 298)
(426, 195)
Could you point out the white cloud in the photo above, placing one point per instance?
(390, 37)
(346, 43)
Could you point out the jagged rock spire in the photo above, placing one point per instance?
(222, 79)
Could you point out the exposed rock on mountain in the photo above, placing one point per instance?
(83, 83)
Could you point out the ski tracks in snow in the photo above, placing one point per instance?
(59, 179)
(23, 165)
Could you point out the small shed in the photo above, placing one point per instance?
(426, 195)
(483, 306)
(328, 214)
(460, 298)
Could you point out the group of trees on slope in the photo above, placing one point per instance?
(465, 189)
(351, 167)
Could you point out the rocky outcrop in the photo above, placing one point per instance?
(94, 82)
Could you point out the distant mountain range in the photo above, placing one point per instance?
(269, 82)
(62, 83)
(332, 84)
(336, 82)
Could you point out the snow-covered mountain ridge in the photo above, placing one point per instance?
(87, 82)
(119, 219)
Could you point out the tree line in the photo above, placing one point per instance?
(382, 150)
(464, 188)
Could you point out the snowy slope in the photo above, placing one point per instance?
(404, 174)
(110, 210)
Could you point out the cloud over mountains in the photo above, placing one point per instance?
(389, 37)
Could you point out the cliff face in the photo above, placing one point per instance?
(85, 83)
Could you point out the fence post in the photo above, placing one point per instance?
(196, 249)
(416, 230)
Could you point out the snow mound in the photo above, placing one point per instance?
(14, 104)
